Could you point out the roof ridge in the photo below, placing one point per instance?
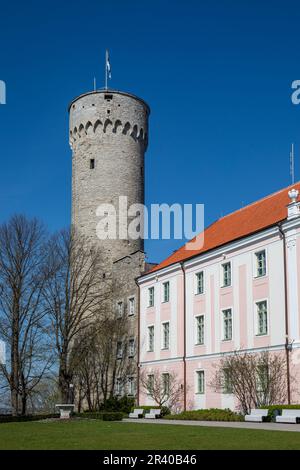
(259, 200)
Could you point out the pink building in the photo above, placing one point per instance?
(239, 291)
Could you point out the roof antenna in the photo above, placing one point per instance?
(292, 164)
(95, 85)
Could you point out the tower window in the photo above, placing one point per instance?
(92, 163)
(108, 97)
(108, 111)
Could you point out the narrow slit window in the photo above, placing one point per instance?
(92, 163)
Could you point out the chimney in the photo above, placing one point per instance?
(294, 205)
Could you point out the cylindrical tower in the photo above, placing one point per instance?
(108, 137)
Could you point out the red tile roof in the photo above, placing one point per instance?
(245, 221)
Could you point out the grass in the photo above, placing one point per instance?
(99, 435)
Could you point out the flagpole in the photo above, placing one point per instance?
(106, 69)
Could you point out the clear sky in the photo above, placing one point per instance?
(217, 75)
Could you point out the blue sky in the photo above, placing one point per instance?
(217, 76)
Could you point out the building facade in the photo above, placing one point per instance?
(239, 291)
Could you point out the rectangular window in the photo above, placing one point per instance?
(150, 384)
(227, 382)
(261, 265)
(119, 387)
(131, 306)
(120, 309)
(165, 335)
(131, 347)
(151, 297)
(92, 163)
(226, 270)
(200, 283)
(166, 289)
(166, 384)
(150, 338)
(200, 329)
(131, 386)
(262, 318)
(200, 381)
(119, 350)
(227, 324)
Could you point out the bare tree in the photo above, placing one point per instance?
(73, 296)
(254, 379)
(164, 389)
(100, 359)
(23, 324)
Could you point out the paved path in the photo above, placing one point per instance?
(221, 424)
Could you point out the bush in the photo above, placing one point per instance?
(212, 414)
(103, 415)
(113, 416)
(123, 404)
(16, 419)
(275, 410)
(164, 409)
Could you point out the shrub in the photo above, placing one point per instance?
(103, 415)
(164, 409)
(16, 419)
(113, 416)
(275, 410)
(212, 414)
(123, 404)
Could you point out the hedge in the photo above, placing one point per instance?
(14, 419)
(103, 415)
(212, 414)
(164, 409)
(274, 410)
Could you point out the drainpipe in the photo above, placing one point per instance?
(184, 336)
(138, 343)
(286, 313)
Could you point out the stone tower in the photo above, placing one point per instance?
(108, 137)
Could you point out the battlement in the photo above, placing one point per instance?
(93, 129)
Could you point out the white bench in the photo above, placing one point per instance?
(153, 414)
(289, 416)
(257, 416)
(137, 413)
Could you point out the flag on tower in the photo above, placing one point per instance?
(108, 66)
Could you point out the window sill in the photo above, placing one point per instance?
(165, 301)
(199, 344)
(199, 293)
(259, 335)
(165, 349)
(199, 393)
(227, 340)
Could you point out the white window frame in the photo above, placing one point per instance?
(222, 274)
(164, 375)
(120, 355)
(131, 380)
(256, 318)
(162, 336)
(197, 343)
(164, 301)
(148, 378)
(132, 297)
(255, 266)
(151, 289)
(223, 324)
(197, 373)
(148, 338)
(119, 387)
(196, 283)
(120, 302)
(131, 349)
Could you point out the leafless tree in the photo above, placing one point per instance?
(164, 389)
(254, 379)
(23, 322)
(74, 294)
(100, 359)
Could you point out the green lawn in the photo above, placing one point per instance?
(111, 435)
